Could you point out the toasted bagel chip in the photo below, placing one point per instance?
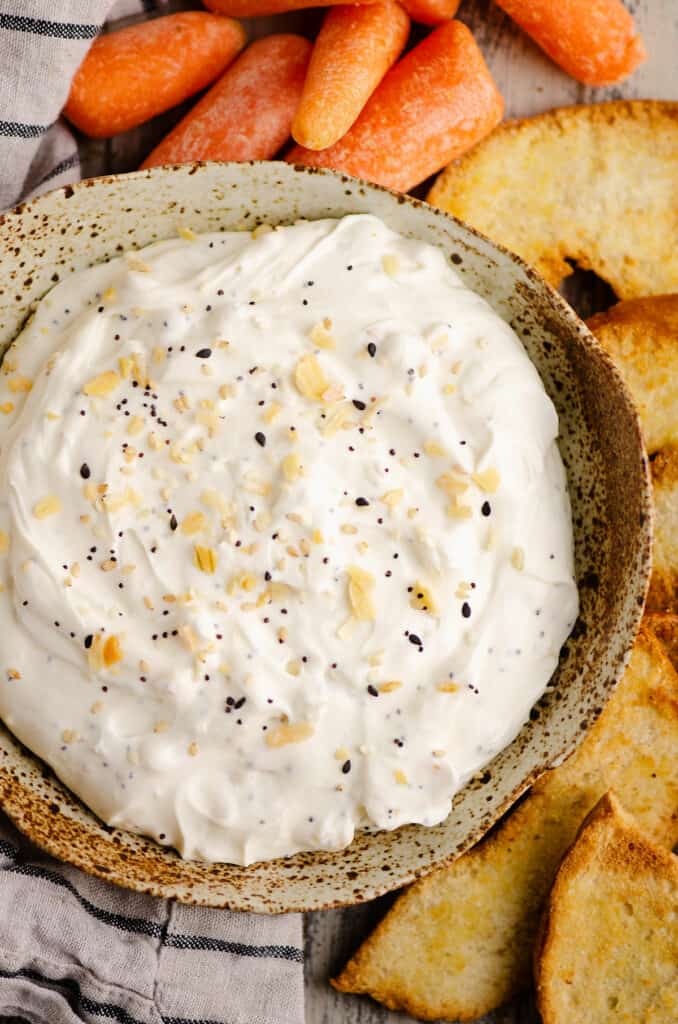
(665, 628)
(642, 337)
(459, 943)
(593, 184)
(663, 593)
(608, 949)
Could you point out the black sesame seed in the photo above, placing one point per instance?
(85, 471)
(173, 522)
(372, 349)
(88, 641)
(486, 508)
(373, 691)
(267, 576)
(466, 610)
(203, 353)
(346, 767)
(260, 438)
(361, 502)
(414, 639)
(358, 404)
(239, 703)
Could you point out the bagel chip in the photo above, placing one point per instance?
(593, 184)
(665, 628)
(608, 948)
(459, 942)
(642, 337)
(663, 593)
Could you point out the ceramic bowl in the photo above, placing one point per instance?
(43, 241)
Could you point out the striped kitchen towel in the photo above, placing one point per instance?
(73, 948)
(42, 42)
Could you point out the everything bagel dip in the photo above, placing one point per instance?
(285, 538)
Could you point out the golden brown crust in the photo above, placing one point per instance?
(458, 943)
(663, 592)
(641, 335)
(608, 945)
(593, 184)
(665, 628)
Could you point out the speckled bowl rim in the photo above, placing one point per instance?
(23, 807)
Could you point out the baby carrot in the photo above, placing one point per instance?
(133, 74)
(355, 48)
(595, 41)
(253, 8)
(431, 107)
(431, 12)
(248, 113)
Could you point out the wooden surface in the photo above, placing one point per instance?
(530, 84)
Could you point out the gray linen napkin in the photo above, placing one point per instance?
(73, 948)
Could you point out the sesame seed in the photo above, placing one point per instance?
(260, 438)
(466, 610)
(203, 353)
(372, 349)
(85, 472)
(361, 502)
(346, 767)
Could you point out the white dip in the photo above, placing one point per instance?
(286, 545)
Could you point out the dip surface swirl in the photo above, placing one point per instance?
(285, 539)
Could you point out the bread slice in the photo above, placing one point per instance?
(642, 337)
(459, 942)
(663, 593)
(594, 184)
(608, 949)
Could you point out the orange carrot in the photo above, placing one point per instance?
(431, 12)
(431, 107)
(253, 8)
(595, 41)
(135, 73)
(247, 114)
(355, 48)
